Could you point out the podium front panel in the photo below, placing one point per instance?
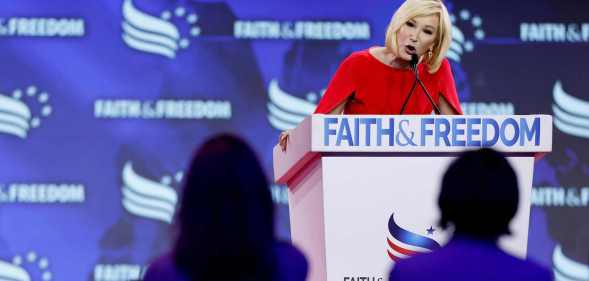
(376, 208)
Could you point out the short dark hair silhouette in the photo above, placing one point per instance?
(479, 194)
(226, 215)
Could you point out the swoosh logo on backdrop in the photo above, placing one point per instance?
(147, 198)
(286, 111)
(14, 117)
(566, 269)
(147, 33)
(11, 272)
(571, 114)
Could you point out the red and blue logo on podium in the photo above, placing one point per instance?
(403, 243)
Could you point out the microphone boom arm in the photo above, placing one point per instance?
(417, 80)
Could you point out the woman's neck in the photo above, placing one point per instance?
(394, 61)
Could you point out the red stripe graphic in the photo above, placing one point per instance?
(393, 257)
(399, 249)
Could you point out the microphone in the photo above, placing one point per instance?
(413, 65)
(413, 62)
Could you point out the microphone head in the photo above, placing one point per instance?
(414, 60)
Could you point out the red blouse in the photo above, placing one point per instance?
(380, 89)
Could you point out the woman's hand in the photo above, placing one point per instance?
(283, 140)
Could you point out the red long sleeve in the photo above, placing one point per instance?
(447, 86)
(340, 87)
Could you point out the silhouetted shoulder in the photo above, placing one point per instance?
(529, 270)
(291, 263)
(164, 269)
(465, 260)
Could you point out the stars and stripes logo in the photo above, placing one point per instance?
(403, 243)
(23, 110)
(157, 35)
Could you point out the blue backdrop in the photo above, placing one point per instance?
(103, 102)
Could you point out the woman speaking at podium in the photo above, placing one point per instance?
(382, 80)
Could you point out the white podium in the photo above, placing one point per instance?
(363, 188)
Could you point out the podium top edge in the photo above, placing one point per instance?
(431, 115)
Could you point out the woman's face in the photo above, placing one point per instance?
(417, 36)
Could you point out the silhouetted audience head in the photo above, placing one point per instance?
(226, 215)
(479, 195)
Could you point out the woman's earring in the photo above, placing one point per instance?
(430, 54)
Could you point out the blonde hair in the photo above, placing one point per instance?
(416, 8)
